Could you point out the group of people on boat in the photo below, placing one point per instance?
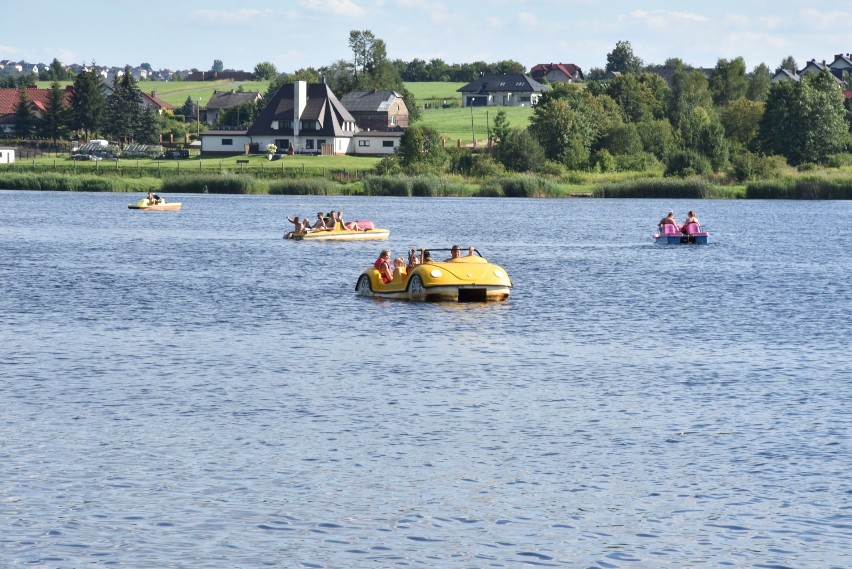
(684, 228)
(325, 222)
(387, 269)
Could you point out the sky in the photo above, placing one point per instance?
(295, 34)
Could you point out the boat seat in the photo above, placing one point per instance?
(399, 273)
(669, 229)
(692, 229)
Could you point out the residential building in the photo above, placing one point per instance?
(306, 116)
(38, 97)
(223, 100)
(508, 90)
(556, 73)
(377, 110)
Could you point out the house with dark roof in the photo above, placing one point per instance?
(556, 73)
(842, 63)
(508, 90)
(377, 110)
(785, 75)
(38, 97)
(223, 100)
(305, 116)
(814, 66)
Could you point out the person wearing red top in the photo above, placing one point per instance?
(382, 264)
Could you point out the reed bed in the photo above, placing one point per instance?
(801, 189)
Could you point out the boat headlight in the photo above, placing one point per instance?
(499, 274)
(435, 273)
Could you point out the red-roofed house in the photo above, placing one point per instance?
(9, 104)
(556, 73)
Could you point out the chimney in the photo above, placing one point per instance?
(300, 101)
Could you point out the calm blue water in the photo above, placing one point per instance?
(190, 390)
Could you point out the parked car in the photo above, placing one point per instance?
(80, 157)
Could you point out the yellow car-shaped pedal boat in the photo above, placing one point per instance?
(463, 279)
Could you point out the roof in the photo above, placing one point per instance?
(321, 105)
(154, 99)
(39, 98)
(516, 82)
(369, 101)
(231, 99)
(568, 69)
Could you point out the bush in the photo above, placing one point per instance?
(604, 161)
(75, 183)
(748, 166)
(687, 163)
(838, 160)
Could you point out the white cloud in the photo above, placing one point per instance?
(738, 20)
(529, 20)
(346, 8)
(665, 20)
(226, 17)
(494, 22)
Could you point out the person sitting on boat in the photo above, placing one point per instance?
(351, 226)
(427, 257)
(471, 251)
(690, 218)
(382, 264)
(455, 253)
(319, 224)
(299, 226)
(413, 260)
(151, 198)
(668, 220)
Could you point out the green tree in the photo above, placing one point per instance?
(148, 127)
(264, 71)
(701, 132)
(88, 106)
(217, 65)
(741, 120)
(635, 98)
(57, 71)
(689, 89)
(759, 82)
(501, 126)
(804, 120)
(422, 150)
(728, 81)
(54, 122)
(789, 64)
(361, 44)
(188, 108)
(519, 151)
(25, 118)
(411, 104)
(622, 59)
(657, 137)
(566, 133)
(124, 108)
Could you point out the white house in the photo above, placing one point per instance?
(7, 155)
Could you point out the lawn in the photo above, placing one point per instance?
(462, 126)
(176, 92)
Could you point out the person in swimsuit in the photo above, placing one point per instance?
(382, 264)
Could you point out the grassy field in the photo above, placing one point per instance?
(461, 126)
(176, 92)
(436, 93)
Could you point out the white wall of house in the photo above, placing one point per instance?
(7, 155)
(374, 145)
(506, 98)
(224, 143)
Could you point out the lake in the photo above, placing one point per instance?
(187, 389)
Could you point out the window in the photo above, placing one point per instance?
(309, 144)
(320, 143)
(387, 143)
(393, 120)
(363, 143)
(502, 83)
(282, 143)
(227, 142)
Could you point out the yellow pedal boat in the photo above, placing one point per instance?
(464, 279)
(161, 205)
(339, 233)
